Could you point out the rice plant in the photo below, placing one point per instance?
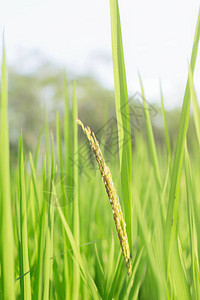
(58, 238)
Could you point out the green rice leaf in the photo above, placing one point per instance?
(167, 139)
(152, 146)
(196, 110)
(76, 272)
(25, 281)
(172, 212)
(122, 112)
(7, 241)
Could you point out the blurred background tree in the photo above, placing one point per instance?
(30, 93)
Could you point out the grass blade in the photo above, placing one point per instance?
(76, 272)
(196, 109)
(178, 160)
(67, 133)
(151, 140)
(167, 139)
(37, 150)
(49, 230)
(78, 257)
(172, 212)
(187, 169)
(25, 281)
(7, 241)
(122, 112)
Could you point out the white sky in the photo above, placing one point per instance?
(157, 37)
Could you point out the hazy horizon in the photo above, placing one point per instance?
(157, 39)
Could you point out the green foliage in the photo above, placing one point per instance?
(121, 101)
(173, 259)
(6, 222)
(72, 251)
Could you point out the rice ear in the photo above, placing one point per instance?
(112, 195)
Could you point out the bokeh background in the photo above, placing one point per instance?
(46, 39)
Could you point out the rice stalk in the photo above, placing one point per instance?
(112, 195)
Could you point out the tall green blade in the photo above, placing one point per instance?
(25, 281)
(37, 149)
(47, 141)
(167, 139)
(39, 273)
(76, 274)
(67, 133)
(68, 172)
(152, 145)
(78, 258)
(122, 112)
(171, 220)
(48, 229)
(194, 200)
(60, 157)
(59, 143)
(7, 242)
(196, 110)
(187, 169)
(34, 180)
